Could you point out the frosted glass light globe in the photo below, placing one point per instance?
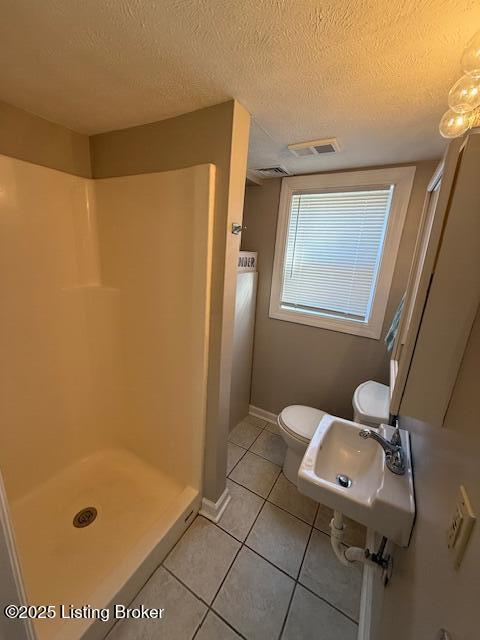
(464, 96)
(471, 57)
(454, 124)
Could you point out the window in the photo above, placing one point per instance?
(337, 242)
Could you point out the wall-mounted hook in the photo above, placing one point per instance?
(237, 228)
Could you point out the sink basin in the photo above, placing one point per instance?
(348, 474)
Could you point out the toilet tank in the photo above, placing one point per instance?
(371, 404)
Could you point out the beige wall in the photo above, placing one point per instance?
(217, 135)
(453, 298)
(28, 137)
(463, 411)
(427, 592)
(296, 363)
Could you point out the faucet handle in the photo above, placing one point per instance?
(396, 439)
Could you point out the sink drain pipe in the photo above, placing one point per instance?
(349, 555)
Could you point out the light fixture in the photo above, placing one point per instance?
(454, 124)
(464, 96)
(471, 57)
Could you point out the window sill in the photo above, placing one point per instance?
(365, 330)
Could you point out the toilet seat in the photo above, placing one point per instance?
(300, 422)
(371, 403)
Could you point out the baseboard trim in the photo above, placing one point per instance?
(214, 510)
(261, 413)
(366, 599)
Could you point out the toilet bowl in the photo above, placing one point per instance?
(297, 423)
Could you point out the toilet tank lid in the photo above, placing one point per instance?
(301, 420)
(371, 401)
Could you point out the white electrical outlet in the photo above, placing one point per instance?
(461, 526)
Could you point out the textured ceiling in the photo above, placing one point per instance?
(374, 74)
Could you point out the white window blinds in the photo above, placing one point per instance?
(333, 251)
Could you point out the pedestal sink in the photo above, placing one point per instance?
(348, 474)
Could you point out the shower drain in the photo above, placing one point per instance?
(84, 517)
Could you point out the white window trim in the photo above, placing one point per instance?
(402, 179)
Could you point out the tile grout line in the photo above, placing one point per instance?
(332, 606)
(296, 579)
(200, 625)
(244, 544)
(253, 441)
(263, 457)
(262, 429)
(312, 528)
(284, 622)
(311, 524)
(301, 565)
(237, 462)
(251, 490)
(117, 622)
(209, 607)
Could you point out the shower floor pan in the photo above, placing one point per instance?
(140, 514)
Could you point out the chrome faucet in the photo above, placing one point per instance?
(394, 454)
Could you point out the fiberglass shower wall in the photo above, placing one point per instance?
(48, 286)
(105, 288)
(159, 263)
(93, 359)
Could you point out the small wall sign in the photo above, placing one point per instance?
(247, 261)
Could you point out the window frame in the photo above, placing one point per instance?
(402, 180)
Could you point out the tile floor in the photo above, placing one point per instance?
(264, 572)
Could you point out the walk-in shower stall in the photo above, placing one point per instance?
(103, 339)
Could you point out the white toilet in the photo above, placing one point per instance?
(297, 423)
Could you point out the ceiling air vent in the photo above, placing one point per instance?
(272, 172)
(314, 147)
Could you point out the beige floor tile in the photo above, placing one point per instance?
(322, 521)
(286, 495)
(323, 574)
(214, 628)
(271, 447)
(202, 558)
(255, 473)
(241, 511)
(183, 611)
(280, 538)
(234, 453)
(254, 597)
(355, 533)
(273, 428)
(308, 615)
(244, 434)
(258, 422)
